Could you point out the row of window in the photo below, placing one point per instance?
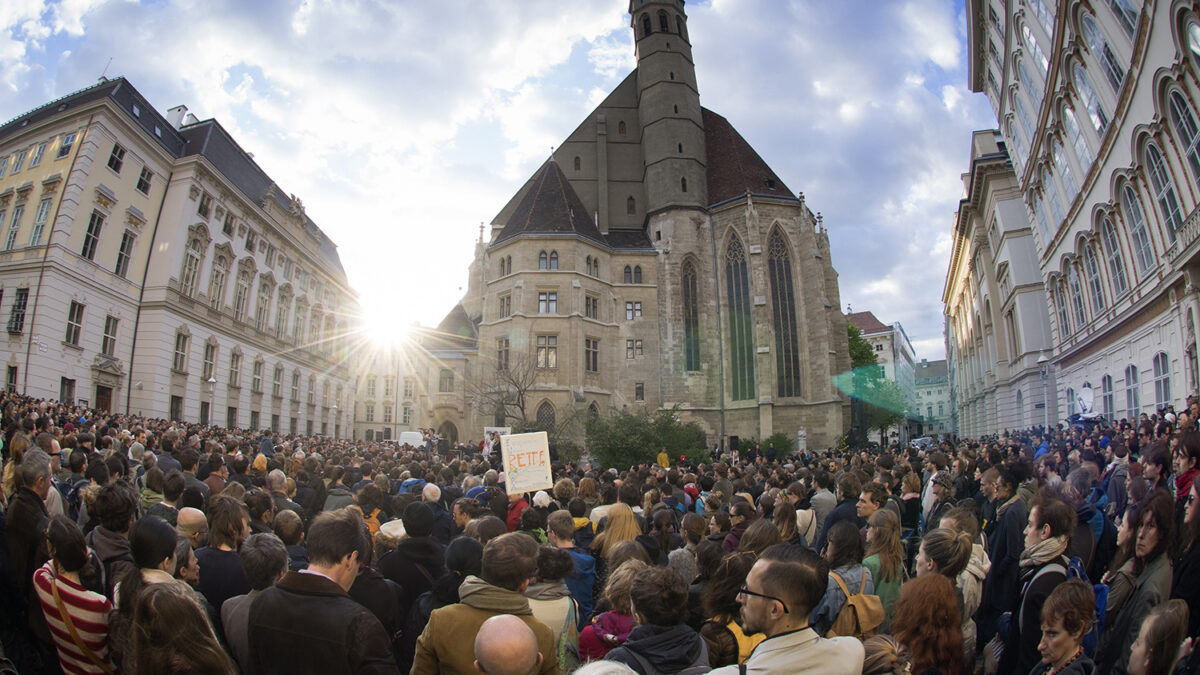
(549, 261)
(14, 163)
(547, 353)
(1133, 404)
(40, 218)
(548, 304)
(389, 386)
(406, 413)
(181, 355)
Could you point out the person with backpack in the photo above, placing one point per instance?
(1043, 567)
(1067, 615)
(850, 606)
(661, 642)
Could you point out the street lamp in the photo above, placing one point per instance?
(1044, 364)
(212, 395)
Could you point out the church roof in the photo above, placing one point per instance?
(456, 331)
(550, 206)
(628, 239)
(734, 168)
(867, 323)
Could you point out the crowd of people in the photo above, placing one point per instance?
(147, 546)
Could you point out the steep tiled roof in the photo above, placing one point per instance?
(550, 206)
(734, 167)
(931, 370)
(867, 322)
(628, 239)
(456, 332)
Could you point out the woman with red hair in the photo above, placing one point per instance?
(928, 624)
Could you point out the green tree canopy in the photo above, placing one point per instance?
(861, 351)
(628, 437)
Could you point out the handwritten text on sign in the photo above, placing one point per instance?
(526, 462)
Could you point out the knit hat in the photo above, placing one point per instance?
(418, 519)
(943, 479)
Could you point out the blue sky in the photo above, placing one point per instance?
(404, 125)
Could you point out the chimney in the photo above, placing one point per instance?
(175, 116)
(190, 119)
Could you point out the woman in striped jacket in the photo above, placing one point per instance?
(77, 617)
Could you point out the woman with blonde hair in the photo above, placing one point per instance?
(621, 526)
(610, 629)
(885, 560)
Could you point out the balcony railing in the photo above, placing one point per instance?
(1185, 236)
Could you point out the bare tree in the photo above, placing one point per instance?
(501, 385)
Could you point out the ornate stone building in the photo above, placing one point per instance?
(656, 260)
(150, 266)
(1097, 104)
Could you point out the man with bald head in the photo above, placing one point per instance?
(506, 646)
(193, 526)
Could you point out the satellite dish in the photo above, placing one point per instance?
(1086, 399)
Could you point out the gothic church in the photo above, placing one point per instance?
(656, 260)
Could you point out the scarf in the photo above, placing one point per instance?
(1005, 506)
(1043, 552)
(1183, 483)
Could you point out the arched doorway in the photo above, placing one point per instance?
(449, 432)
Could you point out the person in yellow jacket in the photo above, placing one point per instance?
(663, 460)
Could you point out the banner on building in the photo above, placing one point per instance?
(526, 462)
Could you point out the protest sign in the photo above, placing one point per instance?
(526, 462)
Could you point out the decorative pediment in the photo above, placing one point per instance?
(105, 197)
(50, 183)
(108, 365)
(134, 217)
(194, 192)
(6, 196)
(200, 231)
(224, 249)
(23, 191)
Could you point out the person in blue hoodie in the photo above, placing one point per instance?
(560, 529)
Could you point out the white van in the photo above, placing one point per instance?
(413, 438)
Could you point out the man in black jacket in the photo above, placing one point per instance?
(1043, 567)
(848, 490)
(418, 560)
(26, 533)
(308, 623)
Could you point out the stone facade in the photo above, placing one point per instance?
(150, 267)
(1097, 105)
(645, 215)
(997, 324)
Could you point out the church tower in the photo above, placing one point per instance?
(668, 107)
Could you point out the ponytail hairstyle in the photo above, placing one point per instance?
(70, 550)
(949, 550)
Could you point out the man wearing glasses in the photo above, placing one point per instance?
(781, 590)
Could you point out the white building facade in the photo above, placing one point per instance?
(1098, 108)
(152, 268)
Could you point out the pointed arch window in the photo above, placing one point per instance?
(783, 301)
(628, 274)
(1034, 48)
(1090, 100)
(1064, 315)
(631, 206)
(593, 411)
(508, 264)
(577, 162)
(553, 260)
(545, 415)
(663, 22)
(1082, 151)
(741, 322)
(1164, 191)
(1099, 47)
(589, 265)
(1142, 249)
(691, 317)
(543, 261)
(1185, 127)
(647, 26)
(1126, 15)
(1116, 261)
(679, 26)
(1091, 268)
(637, 274)
(1076, 290)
